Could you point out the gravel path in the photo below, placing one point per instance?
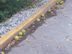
(19, 17)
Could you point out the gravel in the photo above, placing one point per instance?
(17, 18)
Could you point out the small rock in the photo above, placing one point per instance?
(67, 39)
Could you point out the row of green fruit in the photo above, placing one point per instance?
(57, 4)
(24, 31)
(38, 20)
(20, 34)
(31, 7)
(60, 2)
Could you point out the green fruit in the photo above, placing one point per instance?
(34, 6)
(56, 6)
(38, 20)
(16, 38)
(30, 6)
(49, 10)
(21, 9)
(57, 3)
(23, 31)
(42, 15)
(61, 2)
(20, 33)
(2, 53)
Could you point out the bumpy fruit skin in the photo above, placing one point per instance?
(30, 6)
(23, 31)
(34, 6)
(49, 10)
(42, 15)
(61, 2)
(2, 53)
(38, 20)
(57, 3)
(16, 38)
(20, 33)
(56, 6)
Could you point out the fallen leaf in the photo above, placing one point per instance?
(33, 23)
(20, 19)
(10, 25)
(26, 39)
(20, 37)
(29, 41)
(44, 17)
(53, 8)
(9, 44)
(44, 36)
(31, 27)
(52, 13)
(2, 22)
(26, 32)
(67, 36)
(69, 24)
(18, 46)
(20, 13)
(17, 20)
(12, 43)
(47, 37)
(62, 8)
(31, 35)
(7, 48)
(59, 47)
(27, 29)
(7, 29)
(33, 30)
(66, 16)
(62, 12)
(22, 44)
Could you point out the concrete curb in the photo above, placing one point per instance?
(25, 24)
